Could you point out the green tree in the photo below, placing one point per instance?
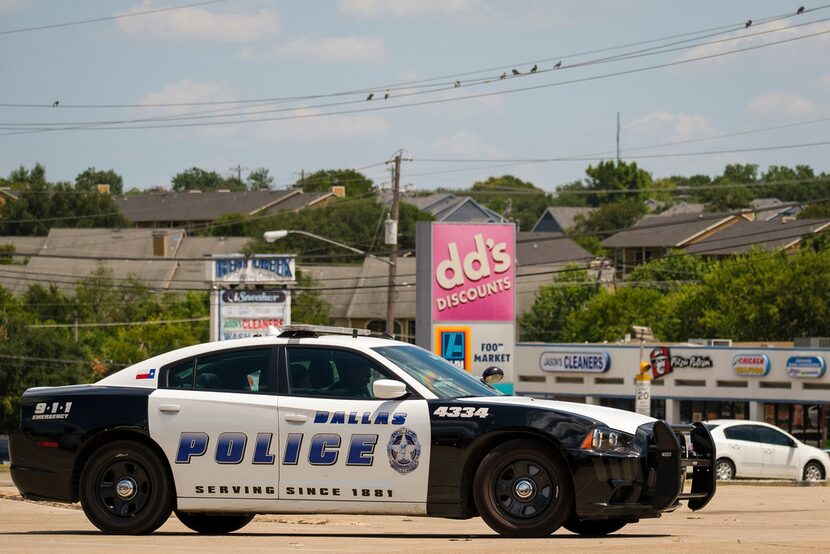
(571, 194)
(21, 176)
(546, 319)
(609, 316)
(610, 217)
(260, 179)
(198, 179)
(670, 271)
(89, 179)
(356, 184)
(517, 200)
(42, 206)
(307, 305)
(615, 176)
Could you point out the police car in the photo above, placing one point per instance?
(325, 420)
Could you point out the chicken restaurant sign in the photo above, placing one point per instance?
(466, 276)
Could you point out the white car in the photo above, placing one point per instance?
(759, 450)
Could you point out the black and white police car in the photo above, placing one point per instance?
(326, 420)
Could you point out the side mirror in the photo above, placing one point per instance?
(492, 375)
(388, 389)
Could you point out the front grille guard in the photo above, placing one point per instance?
(672, 449)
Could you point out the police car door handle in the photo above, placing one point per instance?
(296, 418)
(169, 408)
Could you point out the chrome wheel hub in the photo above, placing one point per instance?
(126, 488)
(524, 489)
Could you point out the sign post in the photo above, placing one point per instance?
(642, 381)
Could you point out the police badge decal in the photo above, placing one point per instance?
(403, 450)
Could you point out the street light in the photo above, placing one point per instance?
(271, 236)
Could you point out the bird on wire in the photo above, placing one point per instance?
(386, 95)
(558, 64)
(371, 95)
(800, 10)
(534, 68)
(503, 76)
(56, 103)
(748, 24)
(456, 84)
(516, 72)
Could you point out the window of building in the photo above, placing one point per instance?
(707, 410)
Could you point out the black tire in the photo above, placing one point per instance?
(517, 468)
(594, 528)
(813, 471)
(214, 524)
(724, 469)
(146, 498)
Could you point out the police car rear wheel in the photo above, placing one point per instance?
(595, 528)
(125, 489)
(523, 489)
(214, 524)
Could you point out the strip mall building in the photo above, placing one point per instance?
(787, 387)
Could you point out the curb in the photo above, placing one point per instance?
(773, 483)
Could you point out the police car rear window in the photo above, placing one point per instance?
(437, 374)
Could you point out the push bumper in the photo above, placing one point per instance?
(648, 480)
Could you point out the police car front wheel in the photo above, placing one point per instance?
(523, 489)
(125, 489)
(214, 524)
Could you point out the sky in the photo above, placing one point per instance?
(234, 85)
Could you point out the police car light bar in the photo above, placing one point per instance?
(317, 330)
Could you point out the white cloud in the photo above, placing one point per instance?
(333, 49)
(187, 91)
(306, 127)
(465, 143)
(788, 103)
(9, 5)
(659, 127)
(798, 51)
(200, 24)
(403, 8)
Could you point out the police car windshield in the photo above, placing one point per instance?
(437, 374)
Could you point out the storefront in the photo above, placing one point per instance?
(787, 387)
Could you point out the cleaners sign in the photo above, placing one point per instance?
(579, 362)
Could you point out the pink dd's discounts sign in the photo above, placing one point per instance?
(473, 269)
(465, 295)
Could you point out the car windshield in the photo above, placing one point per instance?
(437, 374)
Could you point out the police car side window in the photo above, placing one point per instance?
(180, 376)
(329, 373)
(234, 371)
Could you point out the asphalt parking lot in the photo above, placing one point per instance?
(758, 517)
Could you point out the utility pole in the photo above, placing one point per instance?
(618, 138)
(238, 168)
(392, 240)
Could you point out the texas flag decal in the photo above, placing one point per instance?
(146, 375)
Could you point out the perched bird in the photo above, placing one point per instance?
(516, 72)
(56, 103)
(558, 64)
(371, 95)
(534, 68)
(456, 84)
(503, 76)
(386, 94)
(748, 24)
(800, 10)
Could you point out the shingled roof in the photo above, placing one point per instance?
(667, 232)
(770, 235)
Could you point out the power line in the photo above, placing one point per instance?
(125, 124)
(109, 18)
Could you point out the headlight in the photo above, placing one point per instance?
(607, 440)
